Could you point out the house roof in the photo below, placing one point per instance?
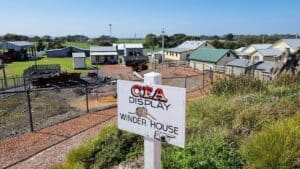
(266, 66)
(78, 55)
(122, 46)
(208, 54)
(103, 53)
(294, 43)
(133, 45)
(261, 46)
(270, 52)
(244, 63)
(187, 46)
(239, 49)
(17, 45)
(103, 49)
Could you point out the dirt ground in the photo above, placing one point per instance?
(43, 148)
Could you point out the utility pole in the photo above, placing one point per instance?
(263, 39)
(110, 25)
(297, 36)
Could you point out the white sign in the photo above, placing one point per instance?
(153, 111)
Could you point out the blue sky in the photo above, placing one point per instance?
(193, 17)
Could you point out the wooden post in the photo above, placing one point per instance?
(152, 147)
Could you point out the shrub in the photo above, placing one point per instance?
(238, 85)
(110, 148)
(286, 80)
(276, 146)
(212, 151)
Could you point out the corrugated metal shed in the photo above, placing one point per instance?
(208, 54)
(79, 60)
(244, 63)
(17, 45)
(266, 66)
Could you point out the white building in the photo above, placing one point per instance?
(79, 60)
(184, 50)
(103, 55)
(266, 55)
(283, 44)
(246, 52)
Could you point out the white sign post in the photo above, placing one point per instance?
(154, 111)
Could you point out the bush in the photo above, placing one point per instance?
(286, 80)
(277, 146)
(110, 148)
(238, 85)
(212, 151)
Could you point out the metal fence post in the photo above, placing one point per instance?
(2, 85)
(24, 82)
(14, 81)
(185, 81)
(29, 110)
(87, 98)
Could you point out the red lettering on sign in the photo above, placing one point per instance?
(147, 93)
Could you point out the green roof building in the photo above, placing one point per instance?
(206, 58)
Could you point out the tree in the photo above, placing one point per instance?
(105, 40)
(55, 44)
(229, 36)
(46, 38)
(151, 41)
(40, 45)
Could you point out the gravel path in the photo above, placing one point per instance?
(43, 148)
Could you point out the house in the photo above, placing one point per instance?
(239, 52)
(131, 53)
(66, 52)
(18, 50)
(263, 70)
(184, 50)
(283, 44)
(266, 55)
(120, 48)
(103, 55)
(246, 52)
(239, 67)
(129, 49)
(209, 58)
(79, 60)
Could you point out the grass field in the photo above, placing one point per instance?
(83, 45)
(17, 68)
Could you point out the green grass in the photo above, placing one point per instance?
(83, 45)
(131, 40)
(17, 68)
(277, 146)
(220, 133)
